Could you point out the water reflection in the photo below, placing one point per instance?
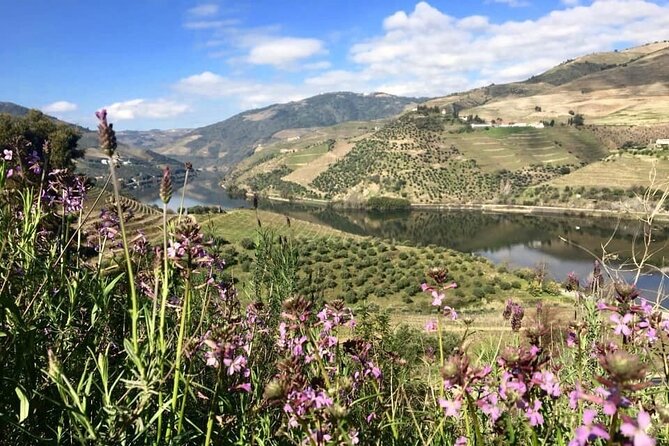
(563, 244)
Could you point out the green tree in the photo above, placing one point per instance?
(34, 129)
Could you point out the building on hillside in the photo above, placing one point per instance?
(662, 143)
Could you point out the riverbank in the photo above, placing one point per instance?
(488, 208)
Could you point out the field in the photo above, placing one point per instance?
(515, 148)
(622, 171)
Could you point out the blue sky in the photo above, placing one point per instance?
(166, 64)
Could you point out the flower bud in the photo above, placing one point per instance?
(273, 390)
(166, 186)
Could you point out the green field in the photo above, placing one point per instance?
(304, 157)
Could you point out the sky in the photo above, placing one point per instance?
(188, 63)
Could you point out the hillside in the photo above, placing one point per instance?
(430, 156)
(151, 139)
(235, 138)
(625, 87)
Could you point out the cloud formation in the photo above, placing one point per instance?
(284, 51)
(424, 52)
(142, 108)
(59, 107)
(204, 10)
(427, 52)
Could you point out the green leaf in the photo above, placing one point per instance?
(25, 404)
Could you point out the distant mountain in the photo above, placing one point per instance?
(237, 137)
(13, 109)
(151, 139)
(618, 87)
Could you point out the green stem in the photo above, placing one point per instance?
(134, 314)
(183, 194)
(180, 343)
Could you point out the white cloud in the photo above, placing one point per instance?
(210, 24)
(284, 51)
(322, 65)
(247, 93)
(426, 52)
(204, 10)
(571, 2)
(142, 108)
(513, 3)
(59, 107)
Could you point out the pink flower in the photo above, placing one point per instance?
(534, 415)
(636, 429)
(7, 155)
(622, 324)
(461, 441)
(436, 302)
(589, 431)
(450, 312)
(431, 326)
(451, 408)
(234, 365)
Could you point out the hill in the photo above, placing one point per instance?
(620, 87)
(432, 155)
(237, 137)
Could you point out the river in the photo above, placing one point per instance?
(561, 244)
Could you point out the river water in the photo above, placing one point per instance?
(561, 244)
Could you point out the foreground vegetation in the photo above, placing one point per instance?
(154, 345)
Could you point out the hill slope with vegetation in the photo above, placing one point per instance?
(237, 137)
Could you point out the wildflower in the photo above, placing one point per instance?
(431, 326)
(588, 431)
(534, 415)
(451, 408)
(106, 134)
(7, 155)
(548, 383)
(461, 441)
(165, 191)
(234, 365)
(636, 429)
(571, 339)
(622, 324)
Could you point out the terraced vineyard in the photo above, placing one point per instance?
(425, 158)
(623, 171)
(515, 148)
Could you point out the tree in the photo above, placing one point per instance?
(35, 129)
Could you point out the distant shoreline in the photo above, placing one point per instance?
(488, 208)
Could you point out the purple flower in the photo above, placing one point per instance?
(431, 326)
(548, 383)
(451, 408)
(534, 415)
(436, 302)
(461, 441)
(571, 339)
(234, 365)
(7, 155)
(589, 431)
(636, 429)
(622, 324)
